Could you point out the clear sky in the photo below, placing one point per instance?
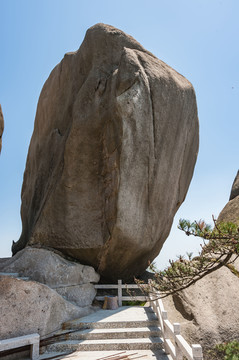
(198, 38)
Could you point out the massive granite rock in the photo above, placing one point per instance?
(1, 127)
(230, 213)
(73, 281)
(30, 307)
(111, 157)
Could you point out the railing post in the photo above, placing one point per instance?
(164, 331)
(197, 352)
(34, 350)
(120, 292)
(178, 352)
(164, 315)
(150, 294)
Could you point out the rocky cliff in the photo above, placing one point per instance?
(231, 211)
(207, 310)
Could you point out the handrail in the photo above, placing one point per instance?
(174, 342)
(121, 297)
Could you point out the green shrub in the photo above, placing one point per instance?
(224, 351)
(230, 350)
(134, 303)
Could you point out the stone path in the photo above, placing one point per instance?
(128, 330)
(98, 355)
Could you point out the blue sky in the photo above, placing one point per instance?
(199, 38)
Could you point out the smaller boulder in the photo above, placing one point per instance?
(80, 295)
(30, 307)
(70, 279)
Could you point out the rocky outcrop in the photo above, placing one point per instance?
(230, 213)
(235, 187)
(30, 307)
(1, 127)
(207, 309)
(111, 157)
(73, 281)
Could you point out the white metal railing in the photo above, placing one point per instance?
(174, 342)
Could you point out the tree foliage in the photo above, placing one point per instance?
(220, 247)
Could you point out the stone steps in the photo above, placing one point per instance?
(111, 325)
(115, 333)
(54, 355)
(94, 355)
(125, 329)
(152, 343)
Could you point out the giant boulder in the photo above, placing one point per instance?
(1, 127)
(111, 157)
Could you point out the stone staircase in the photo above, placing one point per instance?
(124, 329)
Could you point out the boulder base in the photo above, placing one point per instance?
(111, 157)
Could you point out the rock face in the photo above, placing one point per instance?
(75, 282)
(111, 157)
(29, 307)
(207, 309)
(235, 187)
(1, 127)
(230, 213)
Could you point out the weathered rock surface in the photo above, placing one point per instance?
(235, 187)
(29, 307)
(71, 280)
(111, 157)
(1, 127)
(207, 310)
(80, 295)
(230, 213)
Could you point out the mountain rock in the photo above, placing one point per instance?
(207, 309)
(30, 307)
(111, 157)
(235, 187)
(230, 213)
(73, 281)
(1, 127)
